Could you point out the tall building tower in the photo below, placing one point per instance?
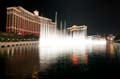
(22, 22)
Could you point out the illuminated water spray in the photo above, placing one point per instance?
(74, 40)
(72, 37)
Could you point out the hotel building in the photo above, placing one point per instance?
(78, 31)
(23, 22)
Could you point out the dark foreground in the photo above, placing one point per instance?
(30, 63)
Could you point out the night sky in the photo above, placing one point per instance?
(101, 16)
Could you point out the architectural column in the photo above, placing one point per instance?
(28, 25)
(21, 24)
(24, 25)
(14, 23)
(18, 24)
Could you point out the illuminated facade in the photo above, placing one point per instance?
(78, 31)
(23, 22)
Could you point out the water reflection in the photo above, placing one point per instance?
(89, 61)
(79, 55)
(19, 62)
(86, 61)
(110, 49)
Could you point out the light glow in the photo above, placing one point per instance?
(57, 43)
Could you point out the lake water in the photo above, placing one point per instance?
(85, 62)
